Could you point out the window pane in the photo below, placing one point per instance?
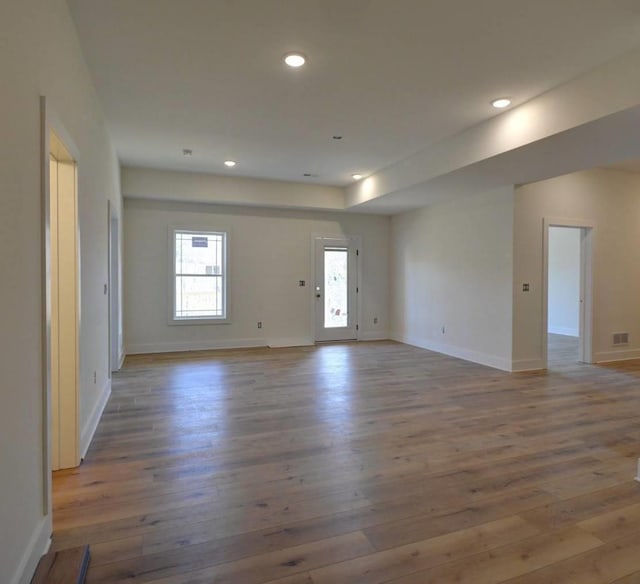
(335, 288)
(199, 297)
(200, 286)
(199, 253)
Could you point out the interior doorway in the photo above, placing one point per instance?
(62, 305)
(567, 314)
(115, 333)
(336, 288)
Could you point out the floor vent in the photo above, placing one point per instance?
(620, 338)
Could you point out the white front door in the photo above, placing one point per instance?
(336, 289)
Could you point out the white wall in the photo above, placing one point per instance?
(40, 55)
(193, 187)
(610, 200)
(269, 252)
(564, 281)
(452, 268)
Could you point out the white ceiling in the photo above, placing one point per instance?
(391, 76)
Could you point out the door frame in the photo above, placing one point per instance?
(587, 244)
(51, 122)
(113, 289)
(351, 239)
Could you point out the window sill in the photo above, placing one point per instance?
(198, 321)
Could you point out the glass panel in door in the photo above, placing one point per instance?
(336, 291)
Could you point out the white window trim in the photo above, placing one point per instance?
(213, 320)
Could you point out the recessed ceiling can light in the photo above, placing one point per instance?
(356, 176)
(501, 102)
(295, 60)
(187, 152)
(230, 163)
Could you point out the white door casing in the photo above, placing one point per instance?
(587, 239)
(336, 288)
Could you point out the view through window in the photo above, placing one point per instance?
(200, 275)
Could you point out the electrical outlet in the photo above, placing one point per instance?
(525, 287)
(259, 324)
(301, 283)
(95, 377)
(443, 329)
(375, 320)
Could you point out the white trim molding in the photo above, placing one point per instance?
(38, 545)
(619, 355)
(522, 365)
(91, 425)
(291, 342)
(374, 336)
(225, 318)
(458, 352)
(587, 246)
(179, 346)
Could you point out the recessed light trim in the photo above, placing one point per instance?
(356, 176)
(501, 102)
(230, 163)
(294, 60)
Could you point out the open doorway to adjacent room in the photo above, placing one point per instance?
(61, 300)
(568, 295)
(63, 284)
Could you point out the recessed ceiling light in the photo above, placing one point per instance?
(295, 60)
(187, 152)
(230, 163)
(501, 102)
(356, 176)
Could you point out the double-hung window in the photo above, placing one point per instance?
(199, 276)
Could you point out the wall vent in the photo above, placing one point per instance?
(620, 338)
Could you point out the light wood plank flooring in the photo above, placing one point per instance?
(358, 463)
(562, 350)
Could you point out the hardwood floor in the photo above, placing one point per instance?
(562, 350)
(358, 463)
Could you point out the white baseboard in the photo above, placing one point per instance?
(619, 355)
(453, 351)
(523, 365)
(89, 429)
(373, 336)
(291, 342)
(178, 346)
(563, 330)
(38, 545)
